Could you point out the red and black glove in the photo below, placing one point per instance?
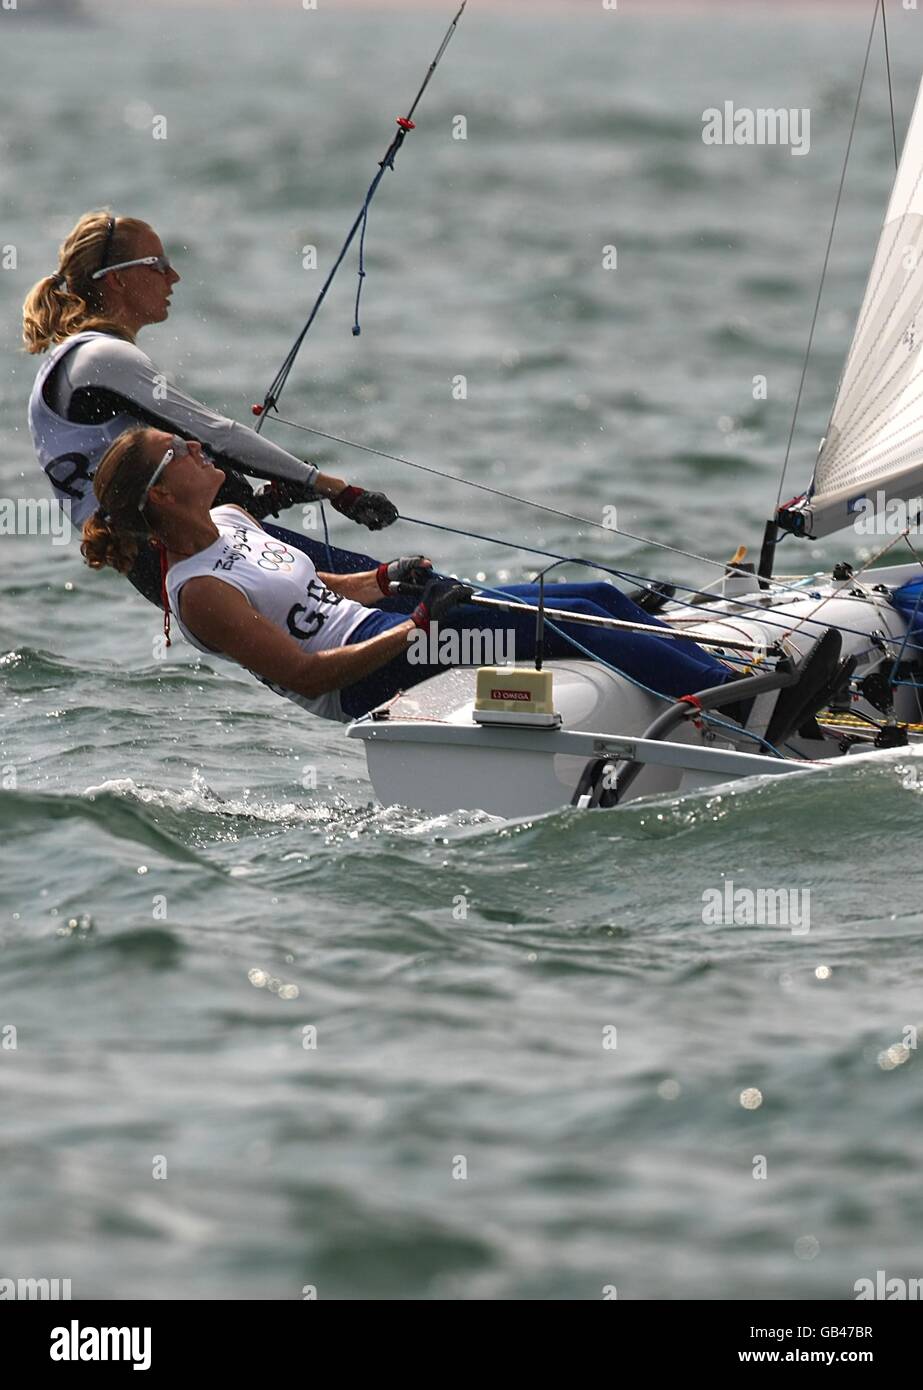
(410, 573)
(439, 598)
(371, 509)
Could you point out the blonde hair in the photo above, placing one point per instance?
(70, 301)
(114, 534)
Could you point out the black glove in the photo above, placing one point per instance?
(411, 572)
(281, 493)
(371, 509)
(439, 597)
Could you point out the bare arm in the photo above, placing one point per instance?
(221, 618)
(362, 587)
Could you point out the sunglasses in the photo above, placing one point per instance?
(160, 263)
(178, 447)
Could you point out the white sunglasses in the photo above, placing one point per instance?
(160, 263)
(177, 449)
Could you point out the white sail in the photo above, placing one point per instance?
(873, 448)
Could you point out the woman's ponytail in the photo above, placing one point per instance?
(71, 301)
(48, 310)
(104, 544)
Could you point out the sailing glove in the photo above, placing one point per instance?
(439, 597)
(410, 573)
(371, 509)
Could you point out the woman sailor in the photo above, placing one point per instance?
(321, 639)
(114, 279)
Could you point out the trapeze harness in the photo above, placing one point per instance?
(281, 583)
(95, 386)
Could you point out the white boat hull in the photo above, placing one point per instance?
(426, 750)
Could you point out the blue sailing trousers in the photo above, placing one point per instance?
(672, 667)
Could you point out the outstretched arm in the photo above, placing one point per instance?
(124, 370)
(128, 381)
(221, 618)
(361, 587)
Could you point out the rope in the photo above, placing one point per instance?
(644, 579)
(357, 328)
(506, 496)
(569, 516)
(323, 517)
(809, 617)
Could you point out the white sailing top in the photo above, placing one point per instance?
(282, 584)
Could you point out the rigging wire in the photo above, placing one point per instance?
(884, 29)
(555, 511)
(517, 605)
(405, 125)
(467, 482)
(823, 273)
(724, 565)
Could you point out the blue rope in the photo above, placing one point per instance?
(365, 221)
(323, 516)
(747, 733)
